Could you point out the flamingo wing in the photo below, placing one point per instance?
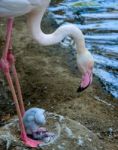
(15, 7)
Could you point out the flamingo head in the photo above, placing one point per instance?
(85, 64)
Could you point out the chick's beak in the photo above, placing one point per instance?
(86, 81)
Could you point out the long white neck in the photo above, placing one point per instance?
(34, 22)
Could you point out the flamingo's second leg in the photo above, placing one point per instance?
(5, 65)
(11, 60)
(27, 141)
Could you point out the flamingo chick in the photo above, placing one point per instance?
(33, 120)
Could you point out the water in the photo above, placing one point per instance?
(98, 19)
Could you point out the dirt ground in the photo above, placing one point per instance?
(49, 79)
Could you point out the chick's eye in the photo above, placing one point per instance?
(37, 132)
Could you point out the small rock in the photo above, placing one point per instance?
(80, 141)
(60, 147)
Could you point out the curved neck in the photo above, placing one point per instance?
(34, 23)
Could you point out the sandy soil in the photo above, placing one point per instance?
(49, 79)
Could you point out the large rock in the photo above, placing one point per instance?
(71, 135)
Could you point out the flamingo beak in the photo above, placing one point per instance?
(86, 81)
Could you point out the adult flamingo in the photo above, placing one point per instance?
(35, 10)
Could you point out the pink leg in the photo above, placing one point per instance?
(7, 54)
(19, 90)
(27, 141)
(11, 60)
(8, 37)
(5, 67)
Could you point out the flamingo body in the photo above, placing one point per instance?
(13, 8)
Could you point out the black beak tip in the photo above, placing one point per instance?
(80, 89)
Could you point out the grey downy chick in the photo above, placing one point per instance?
(33, 120)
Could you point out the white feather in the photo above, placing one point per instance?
(15, 7)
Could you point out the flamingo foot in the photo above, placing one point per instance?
(30, 142)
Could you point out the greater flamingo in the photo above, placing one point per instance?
(35, 10)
